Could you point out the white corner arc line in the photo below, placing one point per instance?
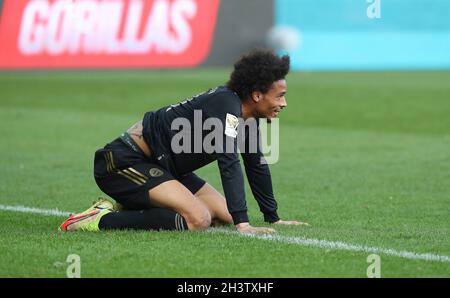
(338, 245)
(46, 212)
(324, 244)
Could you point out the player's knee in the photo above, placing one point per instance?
(199, 222)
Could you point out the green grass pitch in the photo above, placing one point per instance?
(364, 158)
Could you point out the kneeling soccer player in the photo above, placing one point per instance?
(154, 182)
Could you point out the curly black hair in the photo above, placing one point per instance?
(256, 71)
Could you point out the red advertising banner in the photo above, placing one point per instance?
(106, 33)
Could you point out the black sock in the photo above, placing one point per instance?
(149, 219)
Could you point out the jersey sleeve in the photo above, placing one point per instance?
(260, 180)
(227, 109)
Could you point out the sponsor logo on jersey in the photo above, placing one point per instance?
(231, 124)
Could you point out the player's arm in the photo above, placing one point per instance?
(233, 186)
(258, 175)
(260, 180)
(229, 165)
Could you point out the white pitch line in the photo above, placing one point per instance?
(324, 244)
(46, 212)
(338, 245)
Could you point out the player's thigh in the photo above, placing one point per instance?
(215, 203)
(174, 195)
(137, 184)
(208, 196)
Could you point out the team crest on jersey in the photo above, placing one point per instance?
(155, 172)
(231, 124)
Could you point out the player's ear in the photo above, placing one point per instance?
(256, 96)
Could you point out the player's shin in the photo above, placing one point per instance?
(149, 219)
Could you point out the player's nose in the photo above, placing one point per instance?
(283, 102)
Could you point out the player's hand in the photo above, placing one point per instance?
(245, 227)
(291, 222)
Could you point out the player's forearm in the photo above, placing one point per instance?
(261, 185)
(233, 186)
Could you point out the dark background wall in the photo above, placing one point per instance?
(241, 26)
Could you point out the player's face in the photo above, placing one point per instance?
(273, 101)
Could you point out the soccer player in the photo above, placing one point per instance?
(149, 169)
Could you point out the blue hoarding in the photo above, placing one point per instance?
(368, 34)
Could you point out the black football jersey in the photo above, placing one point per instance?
(177, 135)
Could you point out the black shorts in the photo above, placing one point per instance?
(125, 174)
